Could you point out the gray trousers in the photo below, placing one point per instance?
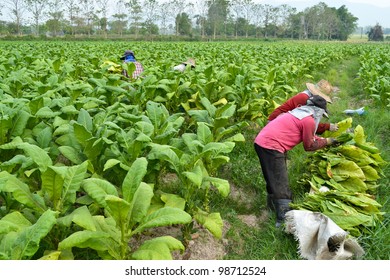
(274, 167)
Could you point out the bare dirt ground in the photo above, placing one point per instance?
(203, 245)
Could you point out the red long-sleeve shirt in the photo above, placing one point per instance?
(287, 131)
(296, 101)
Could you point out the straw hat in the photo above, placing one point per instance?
(190, 61)
(323, 88)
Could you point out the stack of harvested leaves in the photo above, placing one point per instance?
(343, 180)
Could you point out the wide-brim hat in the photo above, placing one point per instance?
(190, 61)
(323, 88)
(127, 53)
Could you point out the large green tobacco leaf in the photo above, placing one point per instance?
(204, 133)
(344, 215)
(134, 178)
(173, 200)
(119, 210)
(20, 123)
(71, 153)
(100, 234)
(158, 249)
(221, 184)
(370, 173)
(355, 154)
(45, 137)
(82, 217)
(140, 203)
(212, 221)
(157, 113)
(24, 243)
(354, 185)
(85, 120)
(15, 221)
(21, 161)
(46, 113)
(97, 240)
(343, 125)
(37, 154)
(5, 125)
(82, 133)
(200, 116)
(61, 183)
(52, 183)
(192, 143)
(166, 216)
(347, 169)
(195, 176)
(98, 189)
(166, 153)
(21, 192)
(359, 135)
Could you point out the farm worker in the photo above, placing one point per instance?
(280, 136)
(182, 66)
(323, 88)
(128, 57)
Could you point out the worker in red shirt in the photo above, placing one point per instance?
(323, 88)
(281, 135)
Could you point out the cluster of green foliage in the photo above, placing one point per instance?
(83, 149)
(373, 73)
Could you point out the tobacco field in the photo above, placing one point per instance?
(92, 162)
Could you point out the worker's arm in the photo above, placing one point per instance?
(296, 101)
(311, 142)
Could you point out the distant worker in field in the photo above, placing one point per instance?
(129, 57)
(182, 66)
(323, 88)
(277, 138)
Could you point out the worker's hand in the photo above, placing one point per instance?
(334, 127)
(332, 142)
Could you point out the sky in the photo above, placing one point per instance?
(369, 12)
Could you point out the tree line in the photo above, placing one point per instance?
(190, 18)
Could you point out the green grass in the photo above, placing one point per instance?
(244, 172)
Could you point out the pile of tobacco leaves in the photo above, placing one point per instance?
(343, 180)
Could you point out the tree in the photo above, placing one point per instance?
(376, 33)
(88, 13)
(17, 8)
(164, 17)
(258, 11)
(183, 24)
(73, 9)
(37, 8)
(217, 15)
(176, 7)
(295, 27)
(135, 15)
(269, 19)
(150, 9)
(247, 6)
(56, 13)
(201, 15)
(347, 23)
(102, 6)
(284, 17)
